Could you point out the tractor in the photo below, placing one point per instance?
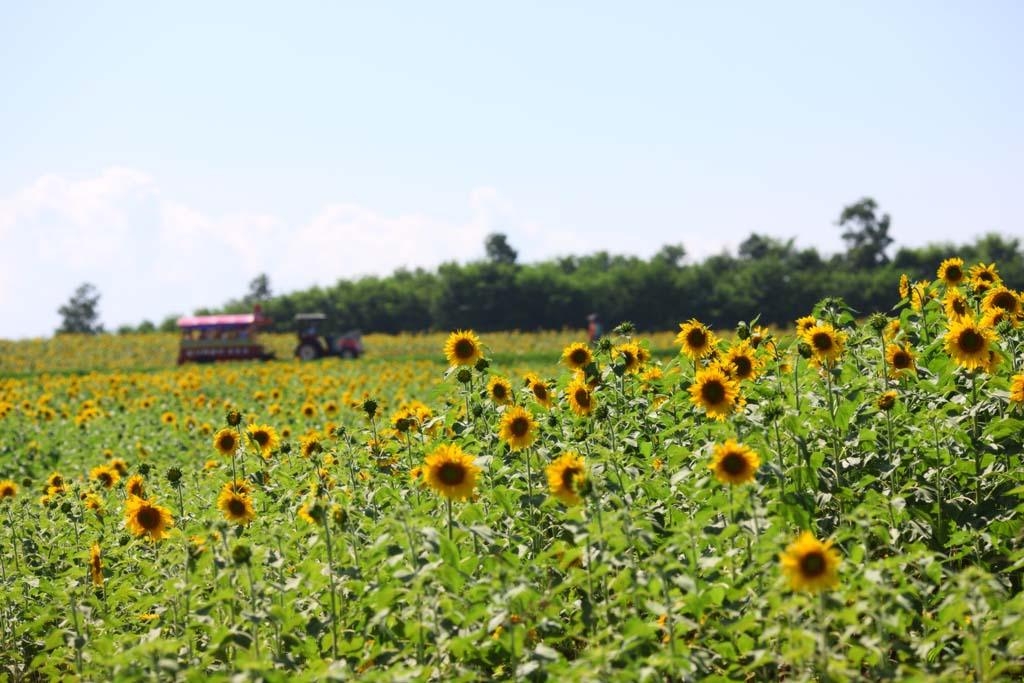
(314, 343)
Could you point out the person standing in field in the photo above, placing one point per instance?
(594, 328)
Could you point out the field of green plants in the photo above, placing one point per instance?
(837, 503)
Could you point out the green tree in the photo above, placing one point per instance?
(498, 249)
(866, 235)
(259, 290)
(80, 315)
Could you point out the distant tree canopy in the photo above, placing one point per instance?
(80, 315)
(767, 277)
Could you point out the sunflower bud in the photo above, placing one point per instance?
(339, 432)
(601, 412)
(478, 410)
(624, 329)
(604, 344)
(482, 364)
(743, 330)
(143, 468)
(285, 447)
(552, 420)
(804, 349)
(233, 417)
(773, 411)
(583, 485)
(370, 407)
(464, 376)
(241, 554)
(173, 476)
(66, 507)
(878, 322)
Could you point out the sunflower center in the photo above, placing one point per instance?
(812, 564)
(822, 341)
(582, 397)
(579, 357)
(971, 341)
(464, 348)
(520, 426)
(236, 506)
(960, 306)
(696, 338)
(540, 391)
(106, 479)
(986, 276)
(568, 475)
(148, 518)
(713, 392)
(227, 443)
(901, 360)
(261, 437)
(953, 273)
(1005, 301)
(451, 474)
(743, 366)
(499, 392)
(734, 463)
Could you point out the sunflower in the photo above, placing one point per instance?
(904, 286)
(55, 481)
(236, 507)
(8, 489)
(581, 400)
(146, 517)
(630, 353)
(715, 392)
(1000, 297)
(135, 486)
(226, 441)
(901, 360)
(238, 486)
(956, 304)
(120, 465)
(169, 419)
(742, 362)
(94, 503)
(1016, 393)
(968, 343)
(892, 330)
(265, 437)
(994, 316)
(886, 401)
(539, 389)
(500, 390)
(518, 428)
(565, 476)
(951, 271)
(810, 564)
(826, 343)
(734, 463)
(106, 476)
(696, 339)
(308, 410)
(577, 356)
(96, 566)
(463, 348)
(451, 472)
(983, 277)
(805, 323)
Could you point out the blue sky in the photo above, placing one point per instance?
(170, 152)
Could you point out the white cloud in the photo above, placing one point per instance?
(151, 255)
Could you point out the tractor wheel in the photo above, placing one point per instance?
(307, 352)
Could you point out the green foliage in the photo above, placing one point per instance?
(80, 315)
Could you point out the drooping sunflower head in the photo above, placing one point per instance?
(539, 389)
(265, 437)
(105, 476)
(8, 489)
(951, 271)
(696, 339)
(96, 566)
(1003, 298)
(500, 390)
(734, 463)
(581, 399)
(630, 354)
(969, 343)
(146, 518)
(451, 472)
(904, 286)
(715, 392)
(236, 507)
(901, 360)
(310, 445)
(810, 565)
(577, 356)
(226, 441)
(518, 428)
(135, 486)
(983, 277)
(741, 361)
(956, 304)
(887, 401)
(826, 343)
(463, 348)
(565, 474)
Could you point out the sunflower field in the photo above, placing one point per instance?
(841, 502)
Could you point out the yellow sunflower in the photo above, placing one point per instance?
(983, 277)
(539, 389)
(887, 401)
(120, 465)
(236, 507)
(518, 428)
(55, 481)
(500, 390)
(713, 391)
(733, 463)
(226, 441)
(106, 476)
(993, 316)
(577, 356)
(1016, 391)
(96, 566)
(810, 565)
(951, 271)
(8, 489)
(451, 472)
(581, 400)
(631, 354)
(696, 340)
(146, 517)
(805, 323)
(135, 486)
(826, 343)
(308, 410)
(265, 437)
(1000, 297)
(901, 360)
(310, 445)
(968, 343)
(956, 304)
(463, 348)
(565, 476)
(741, 361)
(904, 286)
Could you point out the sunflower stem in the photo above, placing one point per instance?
(448, 504)
(823, 631)
(330, 576)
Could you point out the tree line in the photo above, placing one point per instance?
(766, 276)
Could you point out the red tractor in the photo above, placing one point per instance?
(315, 344)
